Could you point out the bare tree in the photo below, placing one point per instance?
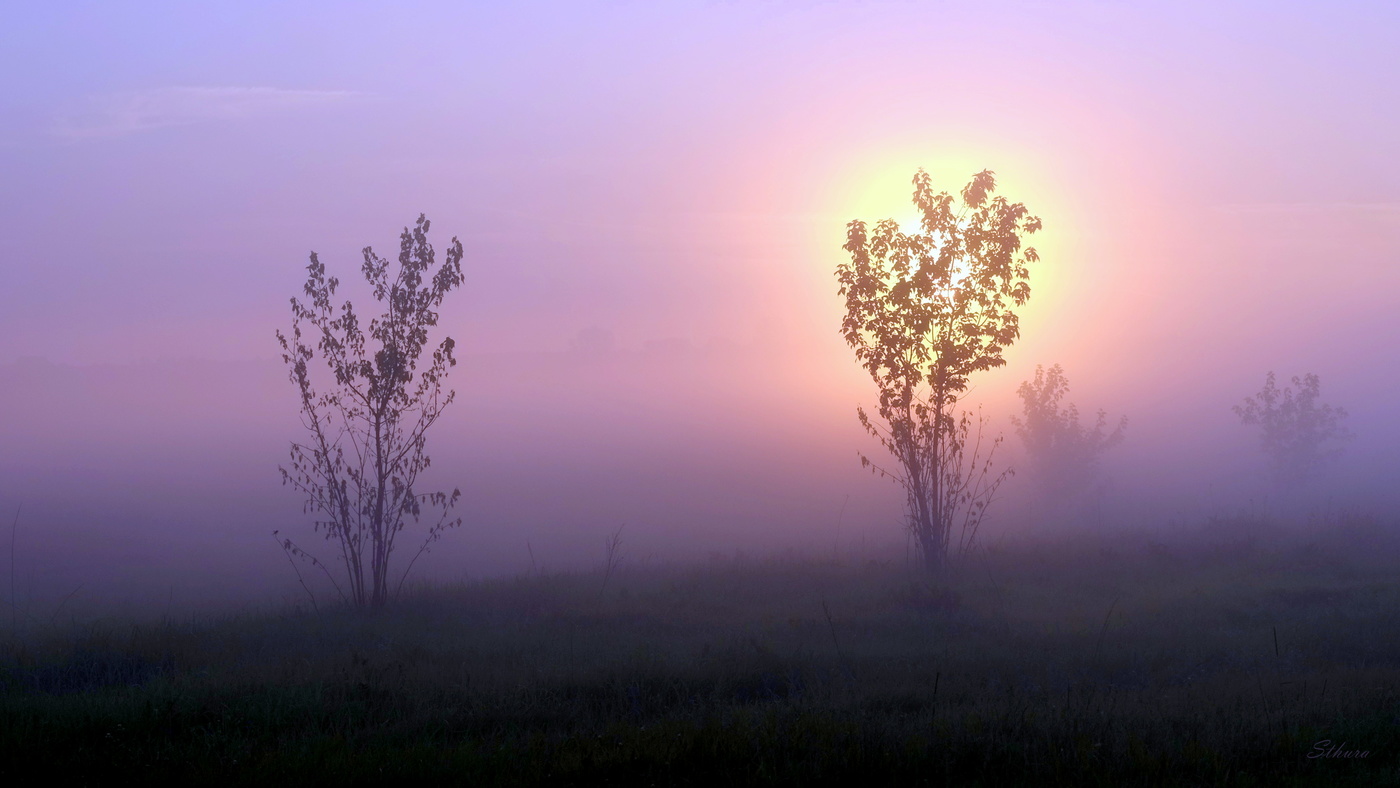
(612, 559)
(925, 310)
(1298, 433)
(367, 421)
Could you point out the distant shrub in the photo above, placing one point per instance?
(1297, 433)
(1063, 453)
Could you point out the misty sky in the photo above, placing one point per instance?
(1220, 186)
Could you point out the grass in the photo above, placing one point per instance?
(1219, 661)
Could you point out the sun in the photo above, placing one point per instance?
(885, 189)
(878, 185)
(886, 192)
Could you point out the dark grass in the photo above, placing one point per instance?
(1079, 663)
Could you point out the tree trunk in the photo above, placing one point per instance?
(933, 556)
(934, 553)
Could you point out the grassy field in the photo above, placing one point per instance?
(1220, 660)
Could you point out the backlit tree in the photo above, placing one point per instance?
(925, 310)
(368, 411)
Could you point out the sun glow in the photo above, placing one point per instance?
(880, 187)
(884, 190)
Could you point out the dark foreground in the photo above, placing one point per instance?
(1229, 662)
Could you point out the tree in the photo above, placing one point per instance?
(367, 421)
(1064, 453)
(1298, 434)
(924, 311)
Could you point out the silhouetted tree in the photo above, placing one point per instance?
(924, 310)
(1298, 433)
(1063, 453)
(368, 421)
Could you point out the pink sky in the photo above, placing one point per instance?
(1220, 188)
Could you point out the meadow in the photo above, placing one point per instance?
(1225, 654)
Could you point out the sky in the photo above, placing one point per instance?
(1219, 185)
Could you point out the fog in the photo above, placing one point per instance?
(652, 203)
(166, 488)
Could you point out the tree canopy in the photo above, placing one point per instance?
(934, 306)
